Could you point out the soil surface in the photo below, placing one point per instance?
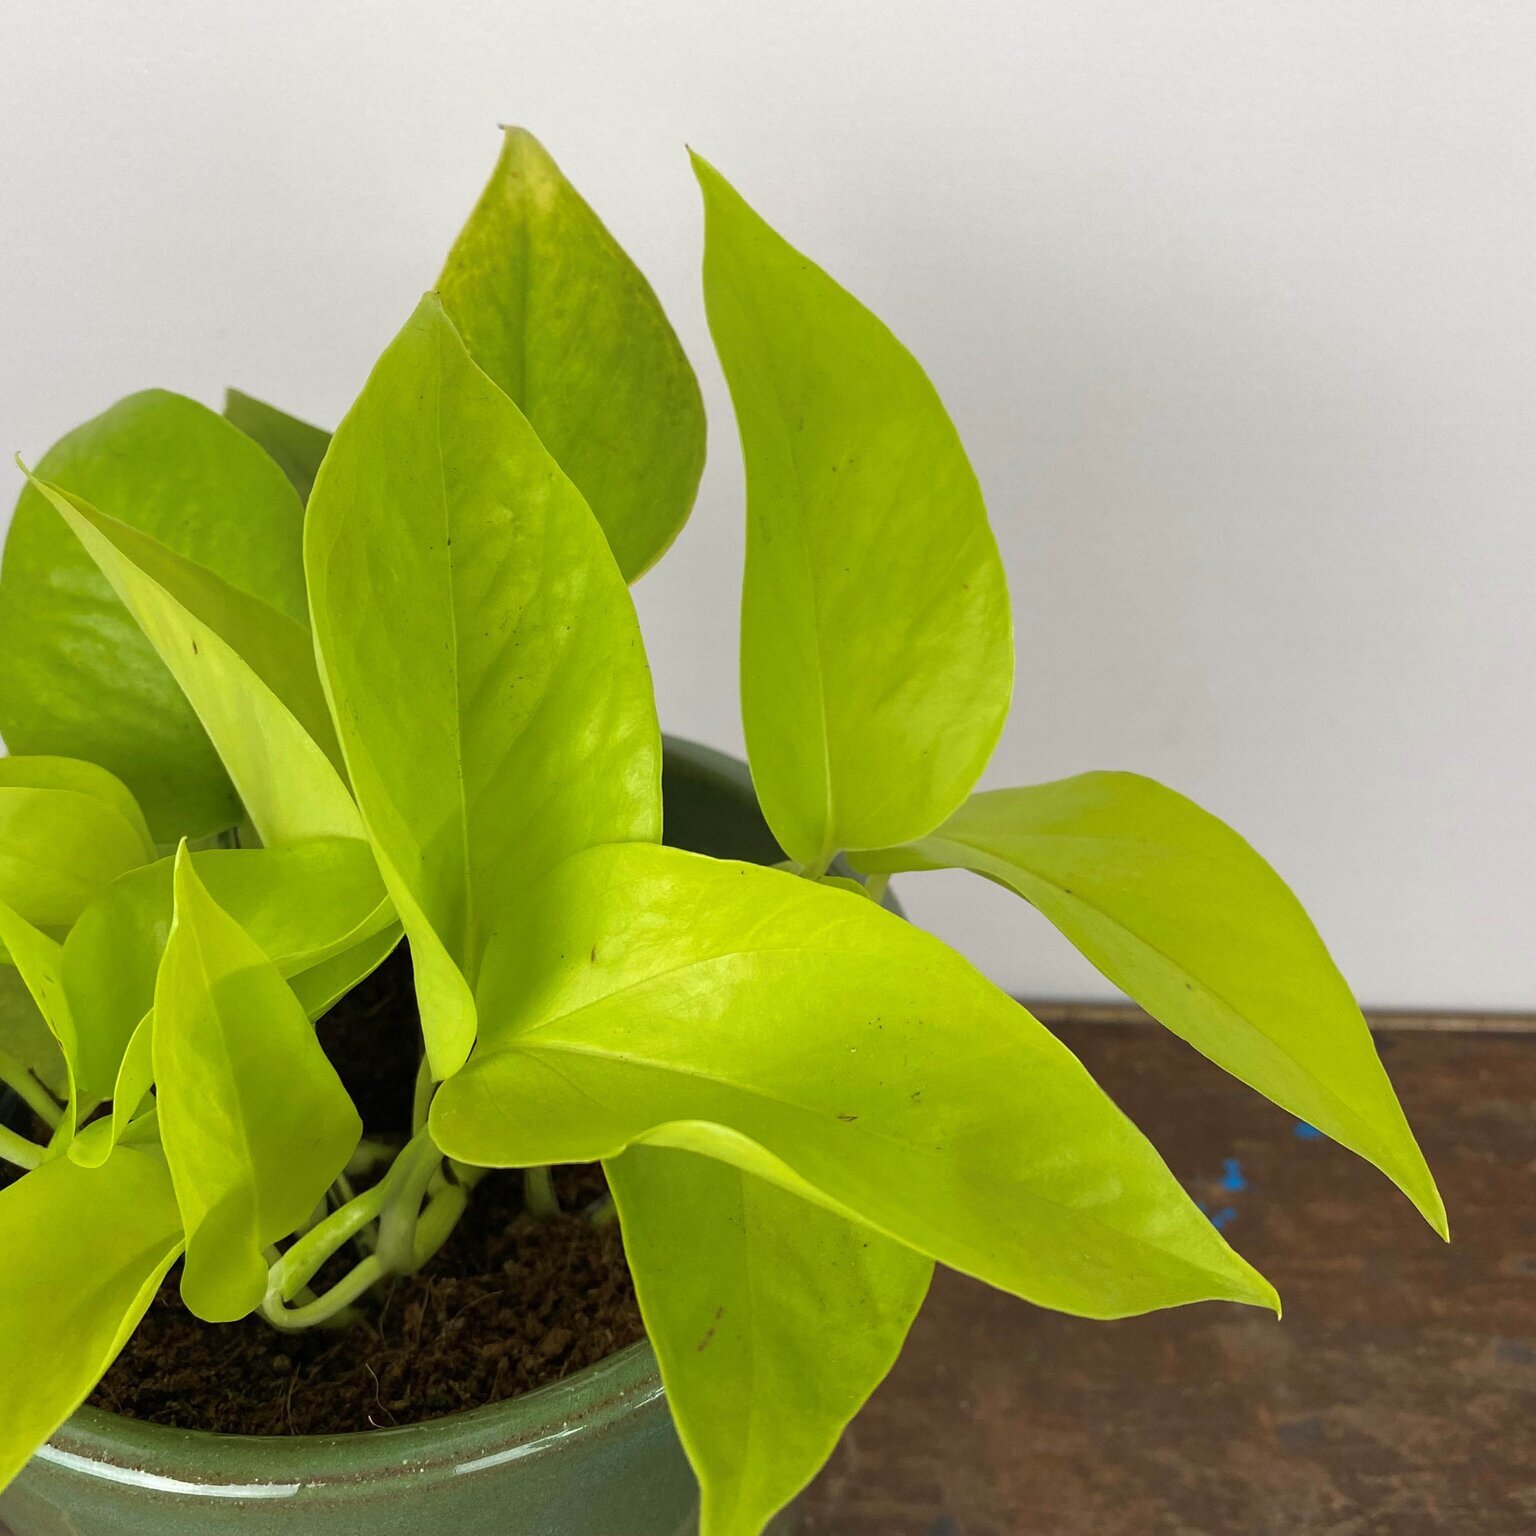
(511, 1303)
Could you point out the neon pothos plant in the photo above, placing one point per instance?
(276, 698)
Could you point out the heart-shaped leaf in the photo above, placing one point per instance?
(876, 638)
(643, 990)
(482, 656)
(79, 679)
(555, 312)
(1184, 917)
(97, 1243)
(248, 670)
(773, 1320)
(255, 1123)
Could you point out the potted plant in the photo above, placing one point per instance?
(276, 700)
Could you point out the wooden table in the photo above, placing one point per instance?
(1397, 1398)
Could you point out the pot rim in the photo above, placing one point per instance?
(114, 1448)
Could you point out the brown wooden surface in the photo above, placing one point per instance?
(1397, 1398)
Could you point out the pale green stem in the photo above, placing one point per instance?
(467, 1174)
(422, 1102)
(303, 1260)
(15, 1148)
(371, 1154)
(32, 1093)
(438, 1219)
(875, 887)
(416, 1205)
(329, 1308)
(410, 1177)
(602, 1211)
(539, 1192)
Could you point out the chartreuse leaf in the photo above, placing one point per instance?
(135, 1077)
(67, 829)
(482, 656)
(81, 778)
(876, 640)
(772, 1318)
(293, 445)
(645, 988)
(319, 987)
(248, 670)
(79, 678)
(555, 312)
(25, 1036)
(38, 962)
(254, 1120)
(303, 906)
(89, 1249)
(1184, 917)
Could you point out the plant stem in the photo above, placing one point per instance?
(539, 1192)
(423, 1098)
(329, 1308)
(438, 1219)
(875, 888)
(32, 1093)
(299, 1265)
(371, 1154)
(15, 1148)
(416, 1206)
(410, 1177)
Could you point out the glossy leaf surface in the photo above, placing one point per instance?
(67, 829)
(302, 906)
(254, 1120)
(482, 655)
(772, 1318)
(97, 1243)
(247, 669)
(648, 989)
(1184, 917)
(555, 312)
(79, 678)
(293, 445)
(876, 639)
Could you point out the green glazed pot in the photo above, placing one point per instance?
(594, 1455)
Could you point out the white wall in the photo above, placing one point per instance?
(1235, 305)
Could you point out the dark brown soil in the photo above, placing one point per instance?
(511, 1303)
